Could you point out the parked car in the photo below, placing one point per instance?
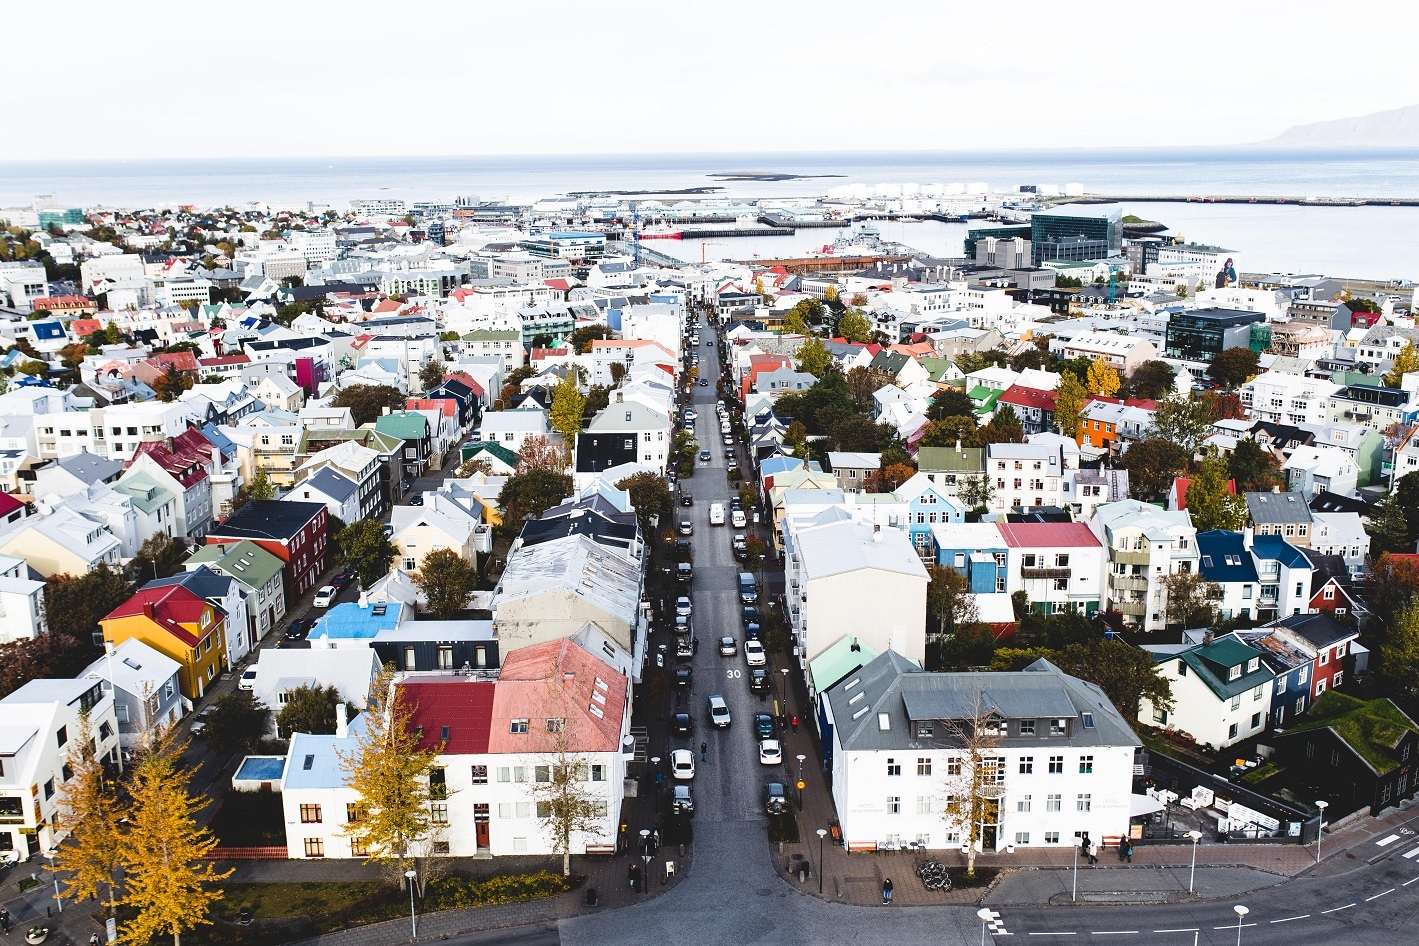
(684, 676)
(684, 648)
(324, 598)
(683, 724)
(687, 527)
(691, 415)
(342, 580)
(684, 551)
(199, 726)
(763, 725)
(751, 616)
(248, 680)
(751, 633)
(682, 764)
(728, 647)
(298, 629)
(686, 499)
(417, 499)
(758, 679)
(683, 605)
(719, 712)
(770, 752)
(704, 456)
(775, 798)
(754, 653)
(680, 801)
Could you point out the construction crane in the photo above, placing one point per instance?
(702, 249)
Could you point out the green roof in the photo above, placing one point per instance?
(1372, 729)
(969, 460)
(1212, 661)
(936, 368)
(245, 561)
(984, 398)
(146, 493)
(471, 450)
(493, 335)
(834, 664)
(406, 425)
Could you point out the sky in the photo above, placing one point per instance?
(482, 77)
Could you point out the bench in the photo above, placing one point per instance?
(862, 846)
(601, 849)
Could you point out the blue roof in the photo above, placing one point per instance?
(575, 235)
(261, 768)
(313, 762)
(779, 465)
(1276, 547)
(48, 330)
(349, 621)
(218, 439)
(1224, 557)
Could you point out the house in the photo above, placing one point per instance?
(501, 461)
(259, 575)
(852, 469)
(650, 428)
(1342, 534)
(39, 721)
(414, 430)
(1291, 695)
(512, 428)
(1144, 545)
(1285, 576)
(1223, 558)
(1325, 641)
(341, 496)
(1059, 565)
(975, 549)
(294, 532)
(145, 686)
(1358, 752)
(1221, 692)
(1034, 407)
(1287, 398)
(60, 541)
(440, 523)
(1061, 756)
(948, 468)
(925, 506)
(1283, 514)
(280, 671)
(357, 464)
(1026, 475)
(174, 621)
(1105, 424)
(1124, 353)
(22, 614)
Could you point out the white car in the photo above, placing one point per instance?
(754, 653)
(691, 415)
(682, 764)
(324, 598)
(770, 752)
(719, 712)
(683, 606)
(248, 680)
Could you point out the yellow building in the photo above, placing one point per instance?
(175, 622)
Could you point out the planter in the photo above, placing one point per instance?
(37, 935)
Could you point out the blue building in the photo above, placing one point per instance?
(975, 549)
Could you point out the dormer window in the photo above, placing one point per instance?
(1253, 664)
(1235, 673)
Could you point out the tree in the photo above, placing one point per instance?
(55, 655)
(170, 384)
(857, 433)
(474, 467)
(952, 402)
(531, 493)
(261, 487)
(388, 768)
(618, 372)
(1034, 357)
(597, 399)
(888, 478)
(830, 294)
(813, 357)
(71, 356)
(975, 780)
(1208, 500)
(582, 338)
(650, 496)
(309, 710)
(1253, 467)
(1389, 527)
(1388, 588)
(1125, 673)
(89, 814)
(1152, 466)
(1191, 599)
(74, 606)
(540, 453)
(977, 491)
(160, 556)
(366, 550)
(368, 401)
(950, 605)
(1405, 362)
(1069, 404)
(795, 438)
(1004, 427)
(794, 323)
(568, 406)
(111, 334)
(1103, 379)
(1151, 380)
(855, 326)
(1183, 420)
(559, 781)
(1078, 366)
(1399, 652)
(431, 374)
(237, 722)
(542, 340)
(863, 382)
(1233, 366)
(947, 431)
(169, 881)
(446, 579)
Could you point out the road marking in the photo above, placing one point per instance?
(1114, 932)
(1053, 934)
(1378, 895)
(1389, 840)
(1337, 909)
(1190, 929)
(1413, 853)
(1408, 882)
(1303, 916)
(1232, 926)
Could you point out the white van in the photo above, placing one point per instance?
(716, 514)
(737, 519)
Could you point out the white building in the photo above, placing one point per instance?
(1059, 565)
(1221, 691)
(1288, 398)
(1028, 474)
(1145, 544)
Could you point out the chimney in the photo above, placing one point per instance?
(364, 599)
(958, 445)
(341, 722)
(386, 412)
(1246, 537)
(147, 609)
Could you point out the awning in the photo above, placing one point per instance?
(1140, 805)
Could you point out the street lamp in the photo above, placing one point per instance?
(645, 857)
(822, 833)
(785, 689)
(1074, 895)
(50, 855)
(1241, 912)
(985, 917)
(409, 875)
(801, 784)
(1322, 805)
(1196, 836)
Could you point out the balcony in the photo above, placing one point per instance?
(1132, 557)
(1128, 582)
(1028, 573)
(1133, 608)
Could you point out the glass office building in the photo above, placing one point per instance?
(1077, 235)
(1203, 334)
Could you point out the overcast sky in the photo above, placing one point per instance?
(472, 77)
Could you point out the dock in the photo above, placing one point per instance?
(826, 264)
(700, 233)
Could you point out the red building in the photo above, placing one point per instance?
(296, 533)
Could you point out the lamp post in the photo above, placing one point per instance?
(785, 689)
(985, 917)
(822, 833)
(1241, 912)
(800, 786)
(1196, 836)
(113, 692)
(1074, 894)
(645, 858)
(57, 899)
(409, 875)
(1322, 805)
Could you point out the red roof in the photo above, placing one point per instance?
(188, 460)
(9, 504)
(1029, 397)
(557, 679)
(464, 706)
(52, 303)
(1180, 485)
(1038, 535)
(224, 360)
(560, 285)
(448, 405)
(170, 607)
(83, 327)
(175, 360)
(467, 379)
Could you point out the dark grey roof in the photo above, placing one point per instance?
(201, 581)
(89, 467)
(1327, 501)
(270, 519)
(332, 484)
(1273, 508)
(1322, 630)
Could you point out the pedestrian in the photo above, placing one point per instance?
(886, 891)
(794, 724)
(1128, 850)
(704, 751)
(4, 920)
(94, 939)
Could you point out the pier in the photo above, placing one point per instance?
(699, 233)
(803, 265)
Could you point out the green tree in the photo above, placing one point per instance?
(1151, 380)
(813, 357)
(309, 710)
(950, 605)
(1069, 404)
(948, 430)
(238, 721)
(794, 323)
(431, 374)
(568, 408)
(366, 550)
(261, 487)
(75, 605)
(542, 340)
(582, 338)
(1125, 673)
(1102, 378)
(1233, 366)
(1253, 467)
(795, 438)
(160, 556)
(952, 402)
(1079, 367)
(447, 579)
(1399, 652)
(1185, 421)
(1152, 466)
(1389, 527)
(1405, 362)
(1004, 427)
(855, 326)
(977, 491)
(1191, 599)
(1208, 500)
(1388, 589)
(1010, 659)
(368, 401)
(650, 497)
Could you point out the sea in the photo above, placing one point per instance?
(1372, 242)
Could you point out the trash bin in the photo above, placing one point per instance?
(804, 872)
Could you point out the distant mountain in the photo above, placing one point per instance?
(1396, 128)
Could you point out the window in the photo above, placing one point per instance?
(1027, 727)
(953, 766)
(894, 805)
(1061, 561)
(310, 814)
(556, 724)
(523, 809)
(1232, 731)
(518, 726)
(1053, 802)
(923, 804)
(894, 768)
(1056, 765)
(1237, 701)
(1084, 802)
(480, 775)
(1086, 765)
(1324, 659)
(504, 774)
(1027, 765)
(542, 774)
(1335, 757)
(1022, 837)
(923, 766)
(62, 736)
(1335, 680)
(1051, 837)
(1255, 720)
(439, 810)
(598, 773)
(1059, 727)
(354, 812)
(1023, 804)
(314, 847)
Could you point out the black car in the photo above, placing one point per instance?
(683, 550)
(751, 616)
(684, 675)
(299, 629)
(763, 726)
(683, 724)
(758, 679)
(686, 499)
(735, 503)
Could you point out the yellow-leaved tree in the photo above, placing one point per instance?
(1103, 379)
(89, 815)
(1406, 361)
(169, 885)
(1070, 403)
